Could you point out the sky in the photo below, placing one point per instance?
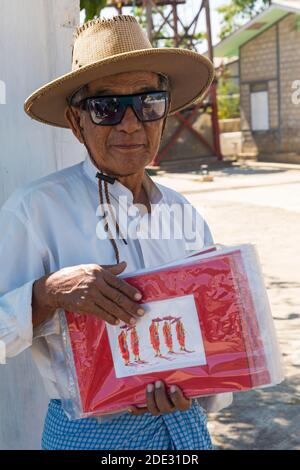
(187, 12)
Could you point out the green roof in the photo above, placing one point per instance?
(230, 46)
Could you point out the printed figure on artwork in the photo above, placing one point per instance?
(168, 328)
(167, 337)
(154, 336)
(123, 346)
(134, 345)
(180, 334)
(168, 334)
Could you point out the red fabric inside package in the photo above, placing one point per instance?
(200, 332)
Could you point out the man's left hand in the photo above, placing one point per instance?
(160, 402)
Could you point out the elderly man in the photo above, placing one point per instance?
(62, 252)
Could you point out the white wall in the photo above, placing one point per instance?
(36, 38)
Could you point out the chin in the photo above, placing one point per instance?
(129, 171)
(130, 164)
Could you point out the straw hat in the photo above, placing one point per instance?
(105, 47)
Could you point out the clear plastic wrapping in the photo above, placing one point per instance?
(208, 328)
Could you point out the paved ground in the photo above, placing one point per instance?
(259, 203)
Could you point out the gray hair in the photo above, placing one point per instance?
(78, 96)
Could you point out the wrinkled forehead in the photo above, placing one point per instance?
(124, 81)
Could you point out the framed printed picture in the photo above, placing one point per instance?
(202, 331)
(168, 337)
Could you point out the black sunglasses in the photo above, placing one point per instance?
(110, 110)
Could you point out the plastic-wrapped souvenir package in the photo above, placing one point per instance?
(208, 328)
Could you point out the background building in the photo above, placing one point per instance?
(269, 52)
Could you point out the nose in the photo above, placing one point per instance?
(130, 122)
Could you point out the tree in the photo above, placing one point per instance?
(92, 8)
(228, 99)
(237, 12)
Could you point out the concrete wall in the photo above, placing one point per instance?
(258, 62)
(36, 39)
(289, 71)
(273, 56)
(258, 57)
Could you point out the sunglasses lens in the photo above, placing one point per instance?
(152, 106)
(110, 110)
(105, 111)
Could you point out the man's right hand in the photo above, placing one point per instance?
(87, 289)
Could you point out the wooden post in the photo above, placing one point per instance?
(175, 24)
(213, 90)
(148, 6)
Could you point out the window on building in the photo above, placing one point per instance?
(259, 107)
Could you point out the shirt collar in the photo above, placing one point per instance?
(117, 189)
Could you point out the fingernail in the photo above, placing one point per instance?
(173, 389)
(117, 322)
(138, 296)
(140, 312)
(130, 410)
(132, 321)
(149, 388)
(157, 384)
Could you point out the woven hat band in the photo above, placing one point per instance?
(100, 39)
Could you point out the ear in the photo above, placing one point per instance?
(72, 116)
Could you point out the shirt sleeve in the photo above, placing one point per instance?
(21, 263)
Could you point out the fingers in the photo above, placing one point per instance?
(178, 399)
(137, 411)
(120, 305)
(151, 403)
(113, 309)
(101, 313)
(97, 290)
(120, 298)
(123, 286)
(157, 400)
(115, 268)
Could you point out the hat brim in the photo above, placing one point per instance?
(190, 74)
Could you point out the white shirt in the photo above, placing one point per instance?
(52, 223)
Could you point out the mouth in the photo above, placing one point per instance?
(128, 147)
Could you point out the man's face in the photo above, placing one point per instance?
(128, 147)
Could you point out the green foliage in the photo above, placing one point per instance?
(140, 14)
(92, 8)
(237, 12)
(228, 99)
